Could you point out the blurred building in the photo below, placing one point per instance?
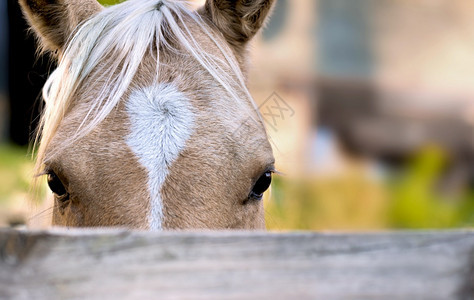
(385, 77)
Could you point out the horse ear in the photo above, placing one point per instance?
(238, 20)
(54, 21)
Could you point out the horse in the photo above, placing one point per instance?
(148, 123)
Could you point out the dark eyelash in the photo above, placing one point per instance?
(46, 171)
(273, 170)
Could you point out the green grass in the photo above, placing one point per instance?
(110, 2)
(346, 202)
(416, 201)
(411, 199)
(15, 172)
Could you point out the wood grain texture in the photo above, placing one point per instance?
(115, 264)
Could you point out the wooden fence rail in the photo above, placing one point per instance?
(111, 264)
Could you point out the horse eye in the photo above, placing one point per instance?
(56, 185)
(262, 184)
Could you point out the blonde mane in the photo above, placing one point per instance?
(126, 32)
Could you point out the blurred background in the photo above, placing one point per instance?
(369, 105)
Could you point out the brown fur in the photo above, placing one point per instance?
(55, 20)
(208, 185)
(238, 21)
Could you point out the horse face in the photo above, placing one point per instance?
(148, 122)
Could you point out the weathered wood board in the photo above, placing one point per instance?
(115, 264)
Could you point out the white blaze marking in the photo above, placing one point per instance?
(161, 122)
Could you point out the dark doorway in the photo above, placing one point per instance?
(27, 74)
